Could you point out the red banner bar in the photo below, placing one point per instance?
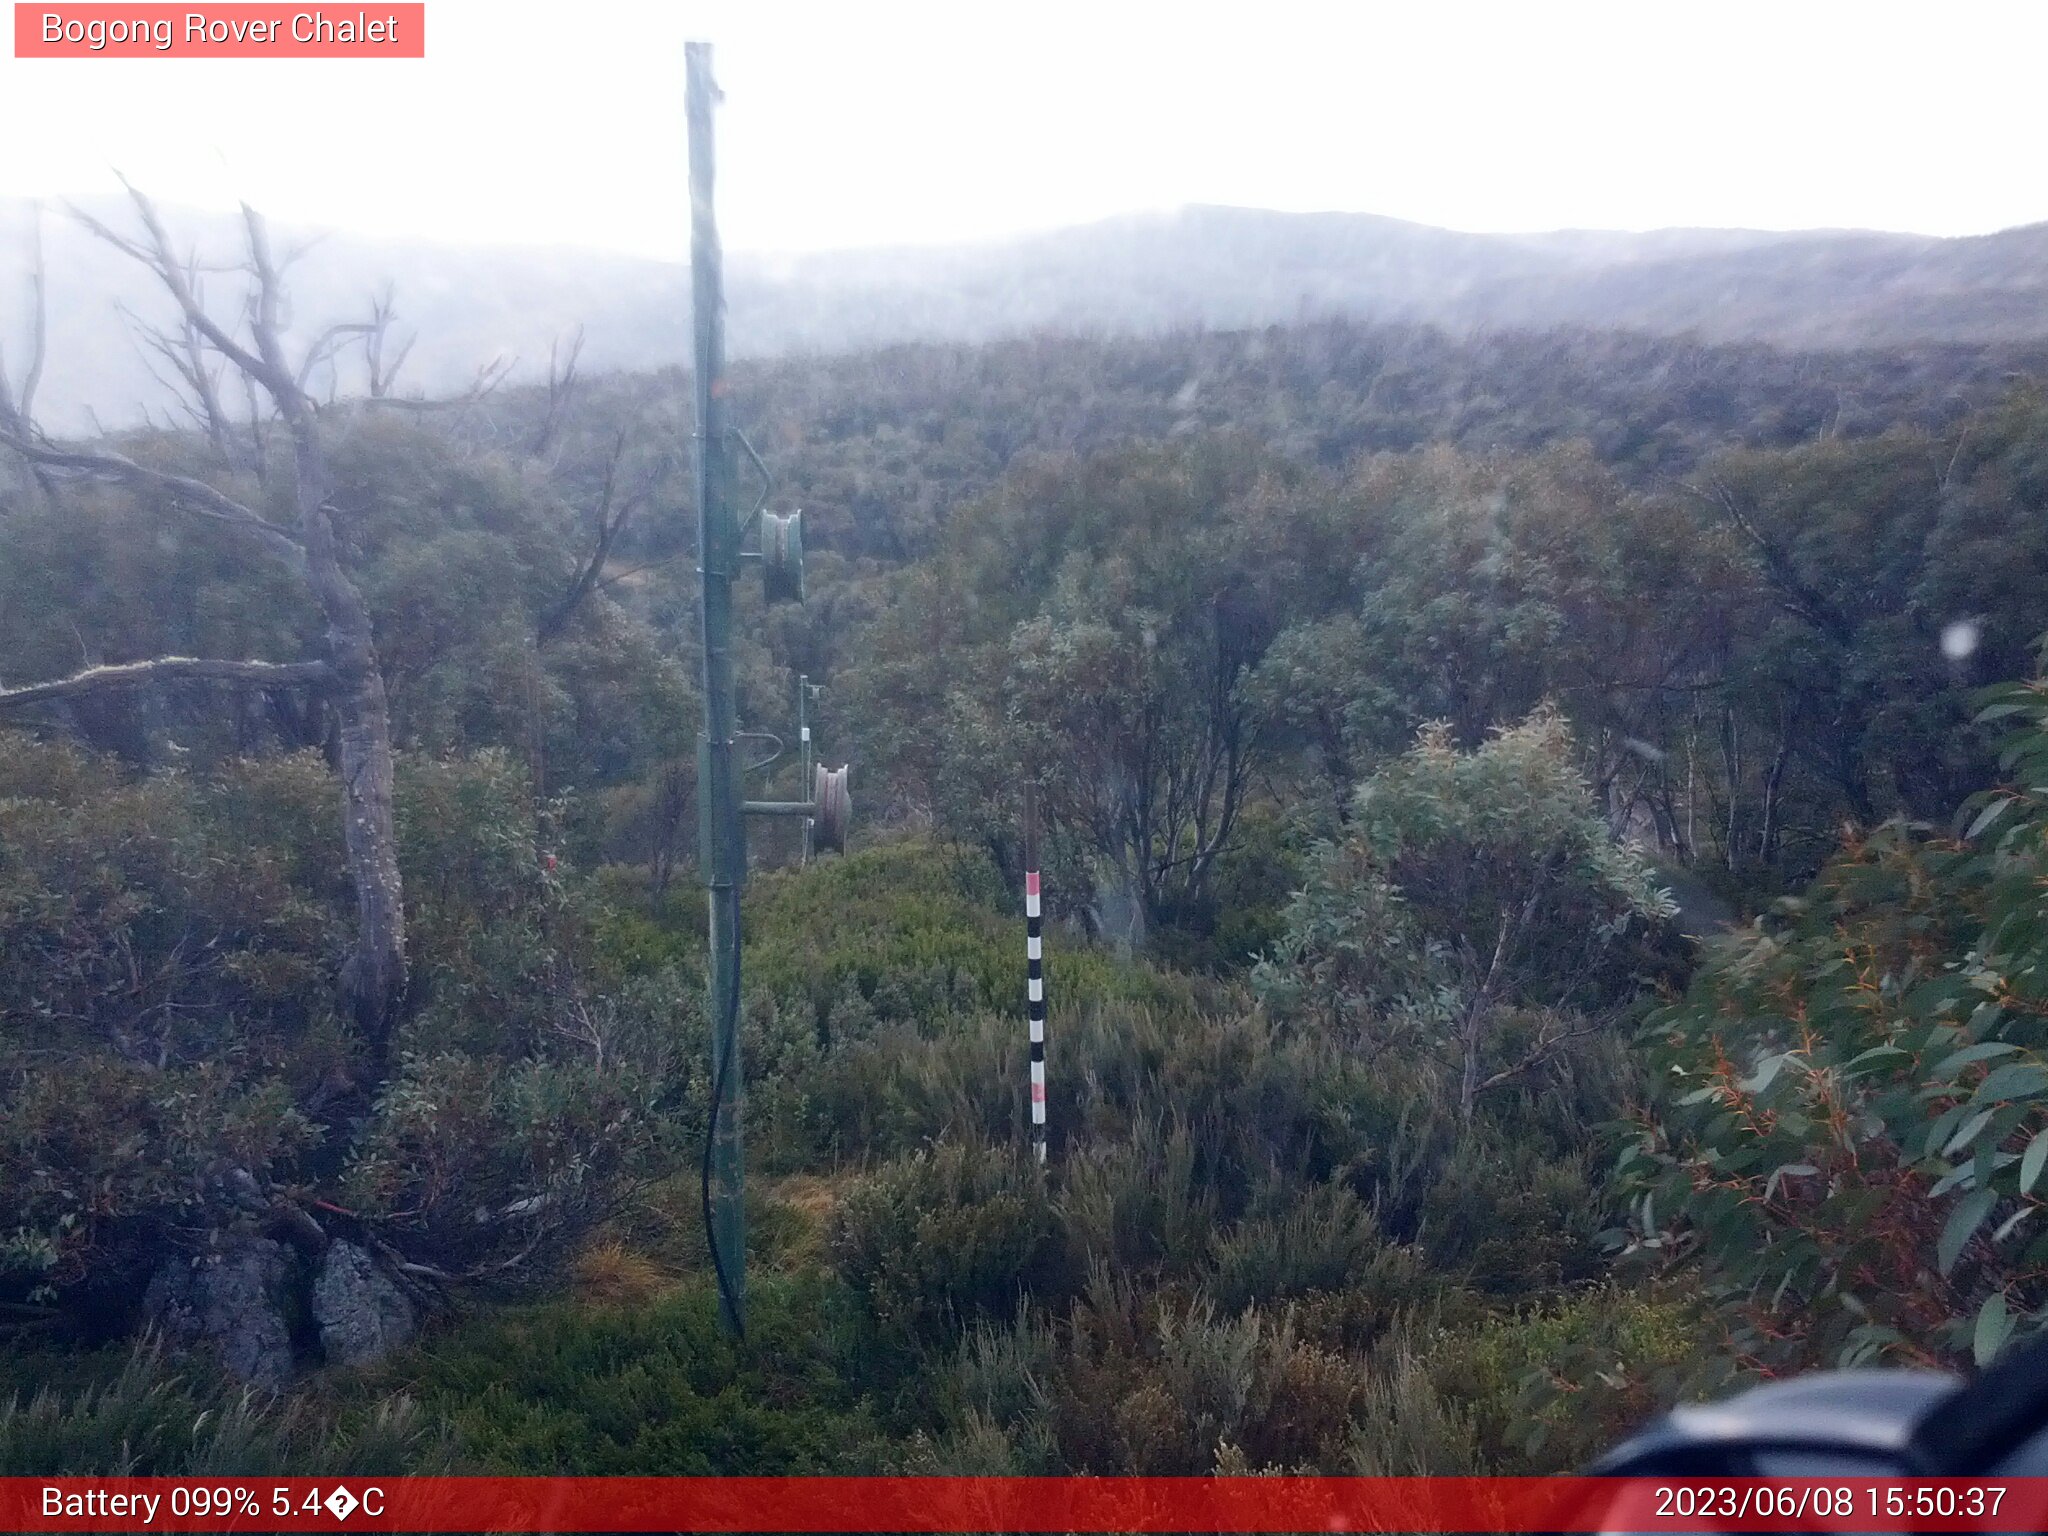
(1077, 1504)
(377, 30)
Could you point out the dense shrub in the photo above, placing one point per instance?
(1324, 1241)
(917, 933)
(161, 979)
(932, 1242)
(1476, 911)
(1850, 1133)
(1166, 1383)
(653, 1390)
(170, 1052)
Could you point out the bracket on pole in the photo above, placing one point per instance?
(767, 482)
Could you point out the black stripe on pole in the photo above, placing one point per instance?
(1035, 990)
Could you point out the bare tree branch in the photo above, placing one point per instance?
(383, 310)
(194, 496)
(161, 258)
(275, 373)
(562, 382)
(1549, 1041)
(21, 408)
(613, 513)
(38, 343)
(329, 344)
(185, 352)
(374, 975)
(17, 412)
(111, 236)
(259, 437)
(488, 378)
(165, 669)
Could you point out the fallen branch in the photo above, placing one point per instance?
(133, 674)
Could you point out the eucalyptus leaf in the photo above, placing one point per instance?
(1963, 1223)
(1994, 1327)
(2031, 1164)
(1988, 815)
(1968, 1133)
(2014, 1080)
(1984, 1050)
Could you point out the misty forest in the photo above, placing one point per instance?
(1544, 831)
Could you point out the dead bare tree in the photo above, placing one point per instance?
(562, 383)
(374, 976)
(18, 410)
(383, 365)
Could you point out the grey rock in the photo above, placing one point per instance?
(362, 1315)
(233, 1299)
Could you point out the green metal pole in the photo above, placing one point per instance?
(721, 849)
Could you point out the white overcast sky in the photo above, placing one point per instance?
(869, 122)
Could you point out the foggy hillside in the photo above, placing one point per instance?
(1207, 267)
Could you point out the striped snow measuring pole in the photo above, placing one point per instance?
(1034, 951)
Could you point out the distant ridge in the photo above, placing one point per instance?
(1214, 267)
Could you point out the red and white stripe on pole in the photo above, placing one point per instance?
(1034, 986)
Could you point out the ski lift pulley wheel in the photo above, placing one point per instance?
(782, 557)
(835, 809)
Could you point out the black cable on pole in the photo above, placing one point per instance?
(722, 851)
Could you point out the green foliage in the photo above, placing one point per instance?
(1174, 1388)
(1158, 1384)
(530, 1095)
(162, 1010)
(1216, 1169)
(1138, 1204)
(886, 989)
(1409, 1425)
(1852, 1097)
(1476, 910)
(1199, 587)
(915, 933)
(1562, 1380)
(139, 1417)
(656, 1390)
(1090, 622)
(933, 1242)
(167, 1018)
(1324, 1243)
(1480, 587)
(881, 444)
